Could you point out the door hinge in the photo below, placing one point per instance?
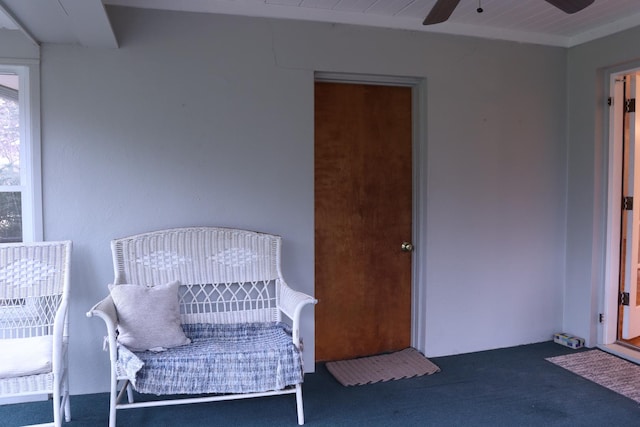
(600, 318)
(609, 101)
(624, 298)
(627, 203)
(630, 105)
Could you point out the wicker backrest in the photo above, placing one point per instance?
(34, 285)
(227, 275)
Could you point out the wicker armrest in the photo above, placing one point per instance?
(291, 303)
(106, 310)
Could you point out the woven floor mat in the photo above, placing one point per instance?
(604, 369)
(406, 363)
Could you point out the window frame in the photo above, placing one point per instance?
(30, 155)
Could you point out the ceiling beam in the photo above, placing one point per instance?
(90, 22)
(16, 22)
(82, 22)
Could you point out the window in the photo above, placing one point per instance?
(20, 206)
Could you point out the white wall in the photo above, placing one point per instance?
(208, 120)
(588, 67)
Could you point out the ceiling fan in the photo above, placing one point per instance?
(443, 9)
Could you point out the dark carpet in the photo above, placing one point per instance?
(507, 387)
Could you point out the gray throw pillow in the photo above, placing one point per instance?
(148, 316)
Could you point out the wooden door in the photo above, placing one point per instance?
(363, 211)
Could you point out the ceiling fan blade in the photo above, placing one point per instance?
(570, 6)
(441, 11)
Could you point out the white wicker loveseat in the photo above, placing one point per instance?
(225, 292)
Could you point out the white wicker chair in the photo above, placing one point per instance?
(227, 276)
(34, 291)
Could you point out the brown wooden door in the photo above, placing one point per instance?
(363, 210)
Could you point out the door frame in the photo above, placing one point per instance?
(608, 332)
(419, 156)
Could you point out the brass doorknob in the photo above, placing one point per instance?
(406, 247)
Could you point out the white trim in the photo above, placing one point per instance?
(623, 24)
(608, 330)
(370, 79)
(418, 290)
(608, 333)
(36, 154)
(30, 186)
(418, 97)
(622, 351)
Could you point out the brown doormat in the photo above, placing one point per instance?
(406, 363)
(604, 369)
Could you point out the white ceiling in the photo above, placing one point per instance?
(85, 22)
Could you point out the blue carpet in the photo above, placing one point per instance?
(507, 387)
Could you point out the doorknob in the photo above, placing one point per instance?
(406, 247)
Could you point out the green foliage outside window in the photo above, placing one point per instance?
(10, 217)
(10, 201)
(9, 142)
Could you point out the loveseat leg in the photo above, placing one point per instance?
(113, 400)
(112, 415)
(129, 392)
(299, 404)
(57, 416)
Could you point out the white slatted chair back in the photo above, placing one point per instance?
(226, 275)
(34, 287)
(34, 304)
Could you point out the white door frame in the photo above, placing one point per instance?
(607, 333)
(418, 274)
(631, 316)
